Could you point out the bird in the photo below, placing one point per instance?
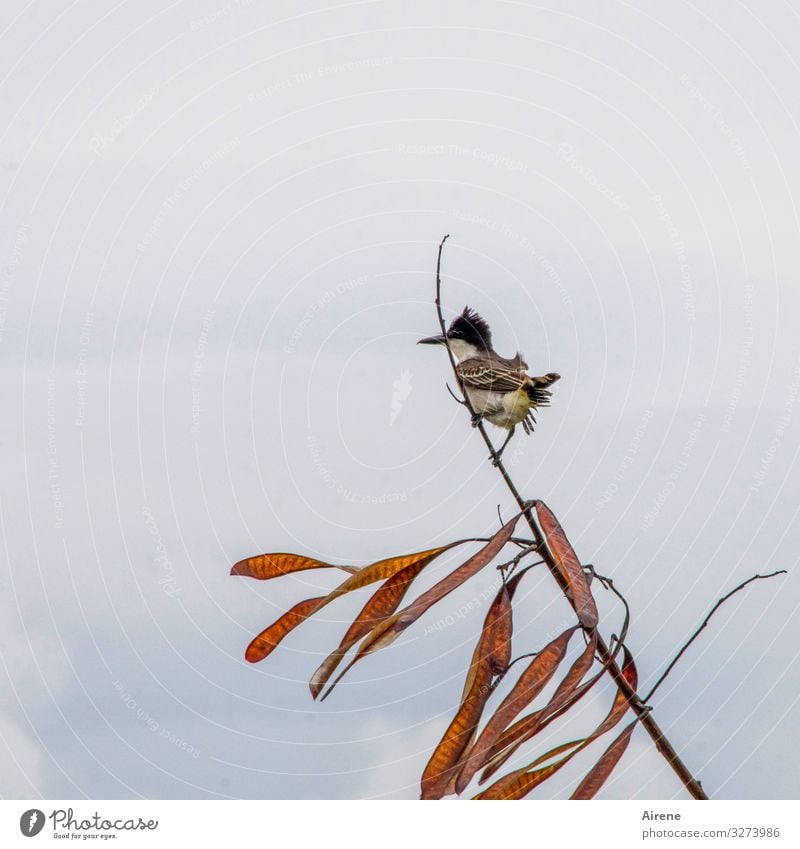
(498, 389)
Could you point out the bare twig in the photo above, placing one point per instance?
(637, 705)
(704, 624)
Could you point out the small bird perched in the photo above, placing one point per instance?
(499, 390)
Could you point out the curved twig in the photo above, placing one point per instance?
(704, 624)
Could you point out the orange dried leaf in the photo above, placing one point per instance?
(487, 661)
(620, 706)
(439, 769)
(268, 639)
(266, 566)
(569, 566)
(518, 784)
(530, 683)
(596, 777)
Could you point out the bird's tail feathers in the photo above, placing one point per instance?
(538, 391)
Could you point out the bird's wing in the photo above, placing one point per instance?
(483, 373)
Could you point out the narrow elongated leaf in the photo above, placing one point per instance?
(441, 765)
(390, 629)
(620, 706)
(499, 624)
(569, 566)
(382, 604)
(517, 784)
(530, 683)
(527, 727)
(266, 566)
(596, 777)
(268, 639)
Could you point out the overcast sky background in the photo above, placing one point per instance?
(218, 235)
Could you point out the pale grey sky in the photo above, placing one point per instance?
(218, 232)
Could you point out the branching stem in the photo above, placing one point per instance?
(637, 705)
(704, 624)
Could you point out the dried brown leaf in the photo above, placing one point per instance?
(596, 777)
(488, 660)
(266, 566)
(268, 639)
(517, 784)
(569, 566)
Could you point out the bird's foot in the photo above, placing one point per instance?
(476, 419)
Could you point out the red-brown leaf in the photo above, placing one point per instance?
(517, 784)
(596, 777)
(569, 566)
(268, 639)
(445, 757)
(488, 660)
(266, 566)
(530, 683)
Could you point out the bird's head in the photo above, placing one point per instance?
(467, 336)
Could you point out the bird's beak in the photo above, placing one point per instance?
(432, 340)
